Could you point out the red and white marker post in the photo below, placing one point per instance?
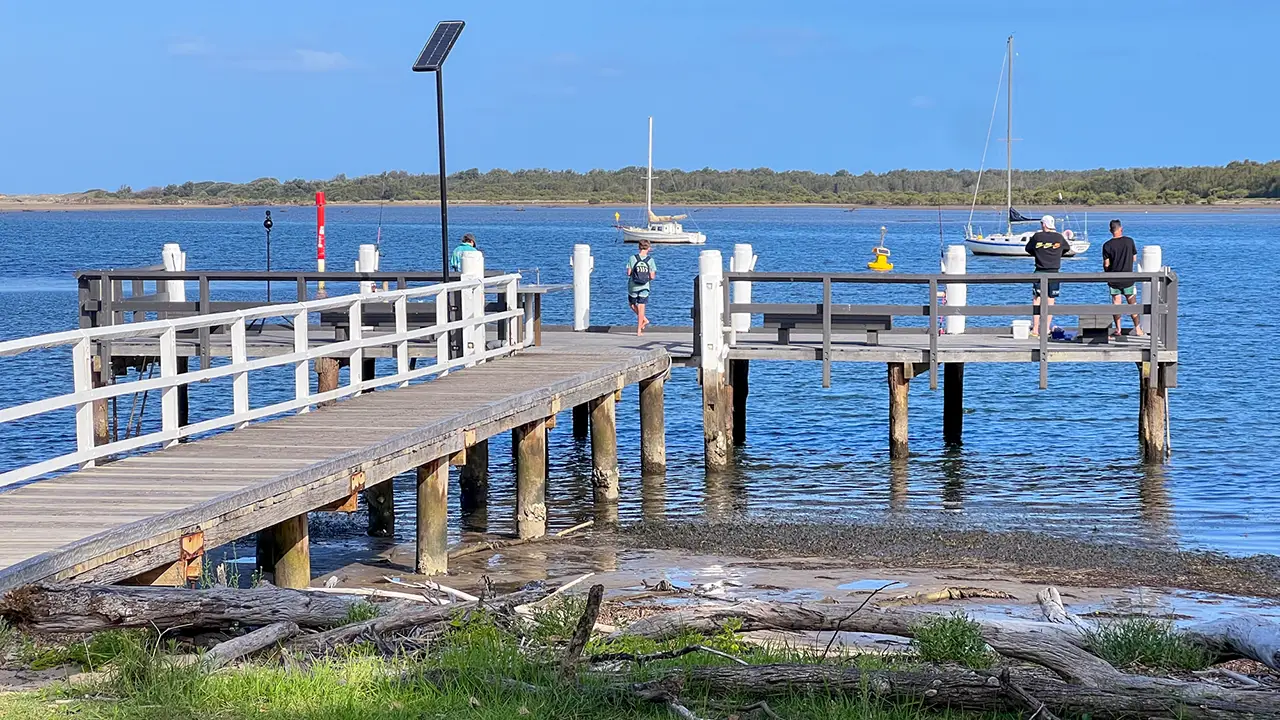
(320, 234)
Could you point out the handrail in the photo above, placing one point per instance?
(84, 395)
(1160, 306)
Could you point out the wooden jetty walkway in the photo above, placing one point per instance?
(460, 377)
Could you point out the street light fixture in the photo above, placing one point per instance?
(431, 59)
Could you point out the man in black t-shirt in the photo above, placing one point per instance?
(1117, 257)
(1048, 247)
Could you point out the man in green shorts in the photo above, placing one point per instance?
(1117, 257)
(641, 270)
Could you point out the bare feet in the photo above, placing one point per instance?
(1137, 331)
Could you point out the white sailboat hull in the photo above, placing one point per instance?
(1014, 245)
(663, 235)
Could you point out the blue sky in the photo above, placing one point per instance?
(147, 93)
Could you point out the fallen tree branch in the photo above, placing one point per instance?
(74, 608)
(376, 593)
(664, 655)
(484, 545)
(945, 594)
(405, 618)
(245, 645)
(969, 690)
(1024, 698)
(432, 585)
(582, 633)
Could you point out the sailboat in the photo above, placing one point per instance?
(659, 229)
(1012, 243)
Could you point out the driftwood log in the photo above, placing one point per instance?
(68, 608)
(407, 618)
(1056, 647)
(973, 690)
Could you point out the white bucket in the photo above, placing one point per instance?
(1021, 329)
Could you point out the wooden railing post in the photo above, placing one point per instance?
(82, 374)
(301, 368)
(169, 395)
(239, 381)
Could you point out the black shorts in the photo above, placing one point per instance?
(639, 298)
(1055, 286)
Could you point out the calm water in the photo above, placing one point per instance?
(1063, 460)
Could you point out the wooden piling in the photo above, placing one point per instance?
(653, 432)
(473, 478)
(1153, 416)
(717, 420)
(380, 498)
(604, 450)
(284, 551)
(433, 518)
(580, 424)
(101, 428)
(326, 377)
(531, 479)
(953, 403)
(898, 446)
(740, 380)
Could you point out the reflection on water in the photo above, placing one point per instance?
(653, 497)
(899, 485)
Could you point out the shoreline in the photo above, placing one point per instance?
(17, 204)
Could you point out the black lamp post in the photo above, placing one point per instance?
(266, 224)
(431, 59)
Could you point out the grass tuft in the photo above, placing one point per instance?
(360, 612)
(953, 638)
(1147, 642)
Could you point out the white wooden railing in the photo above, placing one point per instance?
(83, 344)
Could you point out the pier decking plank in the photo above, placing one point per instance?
(114, 521)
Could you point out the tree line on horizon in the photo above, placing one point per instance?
(1240, 180)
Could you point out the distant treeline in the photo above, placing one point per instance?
(1167, 185)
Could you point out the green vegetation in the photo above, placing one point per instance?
(952, 639)
(477, 669)
(1241, 180)
(1147, 642)
(360, 612)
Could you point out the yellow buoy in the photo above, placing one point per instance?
(880, 263)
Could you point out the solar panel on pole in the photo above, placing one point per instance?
(438, 46)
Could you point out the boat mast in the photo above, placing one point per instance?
(1008, 152)
(648, 187)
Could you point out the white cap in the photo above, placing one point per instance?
(1047, 221)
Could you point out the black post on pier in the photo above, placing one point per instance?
(431, 59)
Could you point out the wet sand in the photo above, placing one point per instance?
(844, 564)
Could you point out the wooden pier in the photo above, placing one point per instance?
(489, 368)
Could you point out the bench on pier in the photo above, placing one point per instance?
(785, 322)
(1096, 329)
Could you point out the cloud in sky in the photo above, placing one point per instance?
(299, 60)
(321, 61)
(190, 47)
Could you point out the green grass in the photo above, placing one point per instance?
(360, 612)
(1147, 642)
(952, 639)
(479, 669)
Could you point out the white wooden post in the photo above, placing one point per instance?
(513, 324)
(442, 337)
(957, 293)
(301, 368)
(367, 263)
(1152, 261)
(710, 310)
(239, 381)
(583, 265)
(169, 395)
(742, 261)
(473, 336)
(402, 348)
(355, 365)
(174, 261)
(82, 377)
